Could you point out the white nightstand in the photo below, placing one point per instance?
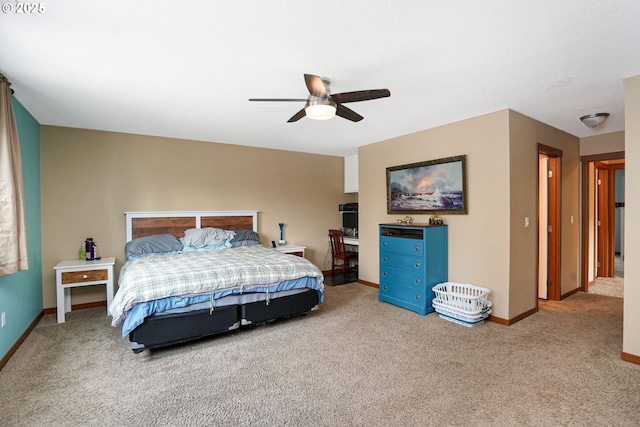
(78, 272)
(292, 249)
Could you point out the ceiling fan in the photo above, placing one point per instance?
(321, 104)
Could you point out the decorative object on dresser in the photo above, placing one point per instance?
(191, 274)
(282, 241)
(74, 273)
(435, 186)
(413, 259)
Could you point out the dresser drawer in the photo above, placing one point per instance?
(84, 276)
(402, 262)
(405, 297)
(413, 279)
(402, 245)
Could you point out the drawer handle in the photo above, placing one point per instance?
(84, 276)
(384, 243)
(417, 281)
(384, 273)
(417, 296)
(417, 248)
(417, 265)
(385, 288)
(384, 258)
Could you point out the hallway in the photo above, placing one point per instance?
(611, 286)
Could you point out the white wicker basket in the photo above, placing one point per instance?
(466, 298)
(461, 322)
(462, 315)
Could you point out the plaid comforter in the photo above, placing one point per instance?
(196, 273)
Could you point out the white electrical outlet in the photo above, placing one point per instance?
(526, 222)
(3, 322)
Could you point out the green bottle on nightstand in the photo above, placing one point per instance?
(83, 252)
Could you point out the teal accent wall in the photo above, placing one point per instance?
(21, 293)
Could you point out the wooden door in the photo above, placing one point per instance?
(543, 221)
(550, 261)
(605, 194)
(554, 229)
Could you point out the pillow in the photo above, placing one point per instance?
(158, 243)
(186, 248)
(199, 237)
(245, 238)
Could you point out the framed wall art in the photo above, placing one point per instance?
(432, 187)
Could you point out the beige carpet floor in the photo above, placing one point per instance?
(354, 362)
(611, 286)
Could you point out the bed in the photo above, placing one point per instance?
(190, 275)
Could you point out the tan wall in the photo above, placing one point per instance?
(489, 247)
(90, 178)
(479, 241)
(631, 326)
(525, 135)
(606, 143)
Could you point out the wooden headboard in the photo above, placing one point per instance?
(141, 224)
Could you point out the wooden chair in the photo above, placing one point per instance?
(338, 252)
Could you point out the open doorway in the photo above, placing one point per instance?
(603, 224)
(549, 179)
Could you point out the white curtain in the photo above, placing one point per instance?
(13, 231)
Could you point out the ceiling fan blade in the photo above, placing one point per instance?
(360, 95)
(278, 99)
(348, 114)
(315, 85)
(297, 116)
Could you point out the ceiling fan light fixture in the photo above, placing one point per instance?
(594, 120)
(320, 110)
(323, 105)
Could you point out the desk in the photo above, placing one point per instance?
(351, 241)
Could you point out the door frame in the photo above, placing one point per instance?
(543, 220)
(554, 291)
(585, 204)
(606, 253)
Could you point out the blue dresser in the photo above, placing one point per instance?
(413, 259)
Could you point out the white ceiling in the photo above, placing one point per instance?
(186, 69)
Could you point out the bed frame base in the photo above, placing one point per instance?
(171, 329)
(293, 305)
